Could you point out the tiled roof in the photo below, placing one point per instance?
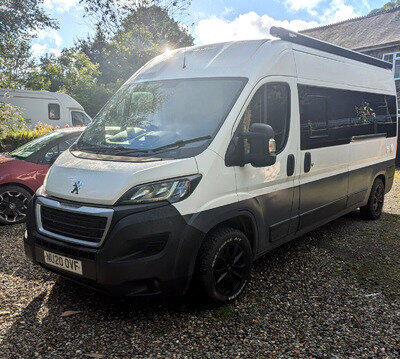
(361, 32)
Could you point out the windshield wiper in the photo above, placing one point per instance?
(179, 143)
(128, 151)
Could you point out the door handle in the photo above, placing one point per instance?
(290, 165)
(307, 162)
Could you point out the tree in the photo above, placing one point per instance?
(73, 73)
(110, 14)
(143, 34)
(15, 61)
(388, 6)
(19, 21)
(10, 119)
(19, 17)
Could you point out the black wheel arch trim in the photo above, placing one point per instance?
(201, 223)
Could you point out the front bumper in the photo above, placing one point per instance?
(148, 250)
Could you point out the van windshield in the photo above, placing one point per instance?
(31, 147)
(177, 118)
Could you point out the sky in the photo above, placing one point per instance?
(213, 20)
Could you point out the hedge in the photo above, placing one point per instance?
(15, 138)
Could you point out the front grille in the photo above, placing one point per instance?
(79, 226)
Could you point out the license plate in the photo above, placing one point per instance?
(68, 264)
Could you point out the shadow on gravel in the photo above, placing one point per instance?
(304, 268)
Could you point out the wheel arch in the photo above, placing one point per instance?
(17, 184)
(243, 221)
(202, 223)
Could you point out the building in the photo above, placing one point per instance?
(375, 35)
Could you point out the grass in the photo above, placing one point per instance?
(225, 312)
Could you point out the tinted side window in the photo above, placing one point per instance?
(270, 105)
(388, 123)
(330, 117)
(54, 111)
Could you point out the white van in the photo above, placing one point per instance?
(52, 108)
(225, 152)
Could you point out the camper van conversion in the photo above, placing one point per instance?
(52, 108)
(225, 151)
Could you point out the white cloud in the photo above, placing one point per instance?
(330, 12)
(47, 41)
(51, 36)
(338, 11)
(366, 4)
(61, 5)
(245, 26)
(297, 5)
(39, 49)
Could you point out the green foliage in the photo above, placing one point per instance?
(15, 61)
(13, 130)
(93, 70)
(143, 34)
(10, 119)
(19, 17)
(20, 20)
(388, 6)
(111, 14)
(17, 137)
(73, 73)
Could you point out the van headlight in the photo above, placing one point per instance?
(173, 190)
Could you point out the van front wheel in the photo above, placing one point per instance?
(373, 209)
(223, 265)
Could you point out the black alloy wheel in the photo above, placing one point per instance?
(378, 198)
(13, 204)
(230, 269)
(373, 209)
(223, 265)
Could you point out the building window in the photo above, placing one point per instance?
(394, 59)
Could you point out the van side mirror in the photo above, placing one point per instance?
(260, 151)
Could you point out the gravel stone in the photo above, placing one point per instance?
(333, 293)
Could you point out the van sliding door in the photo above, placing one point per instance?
(324, 154)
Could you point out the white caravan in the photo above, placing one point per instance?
(224, 152)
(51, 108)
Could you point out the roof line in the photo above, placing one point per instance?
(350, 20)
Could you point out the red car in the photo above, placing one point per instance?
(22, 171)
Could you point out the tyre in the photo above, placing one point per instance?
(223, 265)
(13, 202)
(373, 209)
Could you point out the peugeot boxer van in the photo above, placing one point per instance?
(223, 153)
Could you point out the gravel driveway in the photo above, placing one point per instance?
(333, 293)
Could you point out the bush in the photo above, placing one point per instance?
(15, 138)
(10, 119)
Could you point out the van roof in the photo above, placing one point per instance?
(255, 59)
(212, 60)
(66, 100)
